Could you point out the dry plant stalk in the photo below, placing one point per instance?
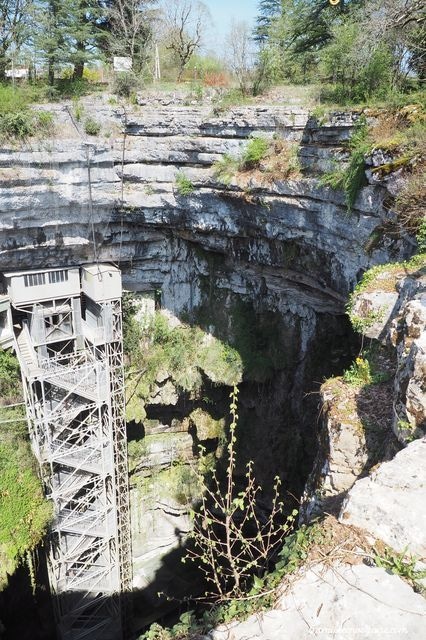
(232, 541)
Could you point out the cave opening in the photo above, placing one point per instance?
(290, 336)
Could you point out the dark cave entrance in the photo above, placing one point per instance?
(287, 351)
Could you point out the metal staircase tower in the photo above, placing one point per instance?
(68, 339)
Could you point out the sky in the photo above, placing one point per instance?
(223, 12)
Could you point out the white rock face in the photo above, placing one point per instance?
(408, 334)
(341, 601)
(292, 245)
(390, 504)
(398, 318)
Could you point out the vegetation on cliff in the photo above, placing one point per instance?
(24, 512)
(158, 351)
(381, 278)
(387, 141)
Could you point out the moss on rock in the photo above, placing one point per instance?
(206, 426)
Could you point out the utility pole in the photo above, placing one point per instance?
(157, 69)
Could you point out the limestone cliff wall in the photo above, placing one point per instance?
(278, 254)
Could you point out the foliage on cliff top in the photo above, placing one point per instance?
(319, 543)
(180, 353)
(400, 133)
(382, 278)
(24, 513)
(267, 159)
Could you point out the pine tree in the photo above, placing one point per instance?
(52, 23)
(86, 20)
(268, 10)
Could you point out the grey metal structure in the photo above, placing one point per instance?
(69, 347)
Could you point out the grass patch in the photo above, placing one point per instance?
(352, 177)
(384, 277)
(381, 278)
(226, 168)
(399, 563)
(283, 161)
(276, 159)
(410, 205)
(232, 98)
(92, 127)
(184, 185)
(254, 153)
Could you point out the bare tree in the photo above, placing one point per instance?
(131, 28)
(185, 24)
(13, 29)
(241, 54)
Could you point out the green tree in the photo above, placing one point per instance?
(52, 23)
(357, 69)
(184, 23)
(300, 32)
(87, 19)
(373, 51)
(268, 9)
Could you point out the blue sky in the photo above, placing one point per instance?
(223, 12)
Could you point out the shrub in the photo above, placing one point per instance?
(184, 185)
(23, 123)
(197, 92)
(230, 542)
(216, 79)
(78, 109)
(254, 153)
(44, 122)
(69, 88)
(125, 84)
(225, 168)
(92, 127)
(359, 373)
(17, 125)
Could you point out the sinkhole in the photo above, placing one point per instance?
(269, 317)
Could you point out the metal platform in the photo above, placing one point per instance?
(71, 358)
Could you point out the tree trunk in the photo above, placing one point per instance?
(180, 74)
(3, 65)
(79, 65)
(51, 73)
(78, 71)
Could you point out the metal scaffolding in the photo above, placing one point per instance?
(71, 357)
